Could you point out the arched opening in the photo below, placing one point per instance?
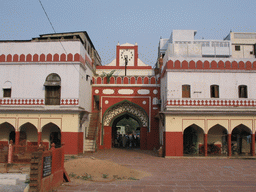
(124, 112)
(51, 134)
(241, 140)
(28, 135)
(126, 132)
(193, 138)
(7, 133)
(217, 140)
(52, 89)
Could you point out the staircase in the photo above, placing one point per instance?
(91, 138)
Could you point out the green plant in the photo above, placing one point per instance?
(73, 157)
(72, 174)
(108, 75)
(117, 177)
(27, 181)
(105, 176)
(86, 177)
(132, 178)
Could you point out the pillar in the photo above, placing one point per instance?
(205, 145)
(39, 138)
(143, 138)
(229, 145)
(107, 141)
(173, 144)
(253, 145)
(17, 137)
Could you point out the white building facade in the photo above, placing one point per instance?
(46, 90)
(208, 98)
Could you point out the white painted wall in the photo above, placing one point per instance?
(85, 89)
(28, 79)
(201, 81)
(41, 47)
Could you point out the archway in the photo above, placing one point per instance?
(125, 132)
(118, 112)
(51, 134)
(241, 140)
(193, 138)
(28, 134)
(217, 140)
(7, 133)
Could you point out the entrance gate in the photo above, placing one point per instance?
(122, 110)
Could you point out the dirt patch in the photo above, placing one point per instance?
(92, 169)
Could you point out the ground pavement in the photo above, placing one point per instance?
(174, 174)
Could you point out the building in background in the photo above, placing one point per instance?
(207, 94)
(243, 44)
(46, 90)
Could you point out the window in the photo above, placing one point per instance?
(214, 91)
(237, 48)
(242, 91)
(7, 89)
(7, 92)
(52, 89)
(185, 91)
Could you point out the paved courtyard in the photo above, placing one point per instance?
(174, 174)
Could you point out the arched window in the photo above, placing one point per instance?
(185, 91)
(214, 91)
(52, 89)
(242, 91)
(7, 89)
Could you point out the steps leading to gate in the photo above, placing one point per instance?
(91, 137)
(89, 146)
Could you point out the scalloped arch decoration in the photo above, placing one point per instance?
(124, 107)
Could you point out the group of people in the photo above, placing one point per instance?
(131, 140)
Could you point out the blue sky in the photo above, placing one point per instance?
(111, 21)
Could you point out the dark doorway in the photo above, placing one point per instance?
(126, 132)
(12, 136)
(55, 138)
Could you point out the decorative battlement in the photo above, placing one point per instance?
(125, 80)
(210, 65)
(46, 58)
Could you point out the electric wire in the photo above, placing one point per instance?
(56, 33)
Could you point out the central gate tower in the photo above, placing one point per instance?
(126, 88)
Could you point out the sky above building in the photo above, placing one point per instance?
(111, 21)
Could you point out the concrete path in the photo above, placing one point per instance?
(175, 174)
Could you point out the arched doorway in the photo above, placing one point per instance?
(51, 134)
(217, 140)
(241, 140)
(7, 133)
(28, 134)
(193, 139)
(118, 112)
(126, 132)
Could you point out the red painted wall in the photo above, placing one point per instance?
(173, 143)
(80, 142)
(107, 137)
(72, 142)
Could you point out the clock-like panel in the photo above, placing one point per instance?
(126, 53)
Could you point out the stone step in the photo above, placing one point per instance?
(18, 176)
(8, 181)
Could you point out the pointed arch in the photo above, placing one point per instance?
(28, 134)
(122, 108)
(6, 131)
(51, 133)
